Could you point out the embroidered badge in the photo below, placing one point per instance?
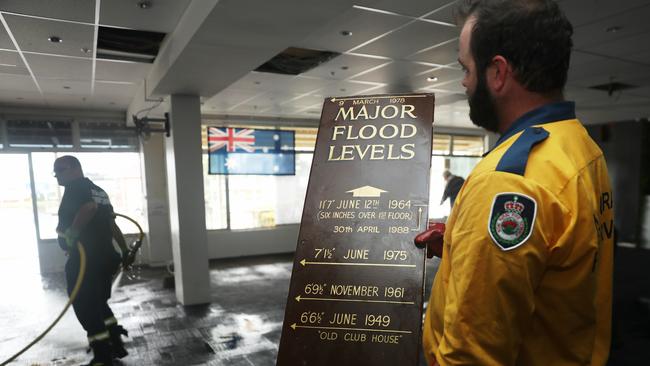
(511, 219)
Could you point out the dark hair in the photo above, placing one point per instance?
(533, 35)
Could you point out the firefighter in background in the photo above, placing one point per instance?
(526, 270)
(86, 215)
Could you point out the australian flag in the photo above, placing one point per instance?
(249, 151)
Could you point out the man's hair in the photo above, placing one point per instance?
(71, 161)
(446, 174)
(533, 35)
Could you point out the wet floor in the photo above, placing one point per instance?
(241, 327)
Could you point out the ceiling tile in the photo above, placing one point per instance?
(394, 72)
(75, 10)
(603, 70)
(161, 16)
(17, 83)
(11, 63)
(414, 8)
(59, 67)
(344, 66)
(264, 81)
(445, 13)
(32, 34)
(121, 71)
(23, 98)
(114, 90)
(64, 87)
(343, 88)
(446, 76)
(69, 101)
(410, 39)
(266, 100)
(631, 23)
(363, 24)
(642, 92)
(582, 12)
(5, 41)
(230, 97)
(625, 48)
(441, 54)
(307, 101)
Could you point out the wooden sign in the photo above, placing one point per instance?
(357, 283)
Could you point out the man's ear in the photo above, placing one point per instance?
(497, 73)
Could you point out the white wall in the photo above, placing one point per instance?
(227, 244)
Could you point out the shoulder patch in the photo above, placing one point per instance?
(511, 219)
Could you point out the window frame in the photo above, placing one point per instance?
(254, 125)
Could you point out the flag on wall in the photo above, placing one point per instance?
(250, 151)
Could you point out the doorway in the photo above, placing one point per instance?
(18, 242)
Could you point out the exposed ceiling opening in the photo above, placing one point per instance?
(294, 61)
(128, 44)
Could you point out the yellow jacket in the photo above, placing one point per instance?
(526, 273)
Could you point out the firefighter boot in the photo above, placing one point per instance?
(102, 354)
(116, 331)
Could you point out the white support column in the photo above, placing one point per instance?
(186, 201)
(158, 242)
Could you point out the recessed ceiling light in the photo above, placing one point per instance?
(54, 39)
(257, 82)
(432, 78)
(144, 4)
(342, 89)
(19, 98)
(112, 103)
(346, 33)
(344, 67)
(613, 29)
(66, 87)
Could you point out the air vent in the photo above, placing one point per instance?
(294, 61)
(128, 44)
(612, 87)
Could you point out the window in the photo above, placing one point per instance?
(457, 145)
(118, 173)
(214, 187)
(441, 144)
(468, 145)
(99, 135)
(39, 134)
(257, 201)
(457, 153)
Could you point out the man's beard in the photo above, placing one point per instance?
(482, 111)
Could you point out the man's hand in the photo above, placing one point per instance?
(431, 239)
(71, 237)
